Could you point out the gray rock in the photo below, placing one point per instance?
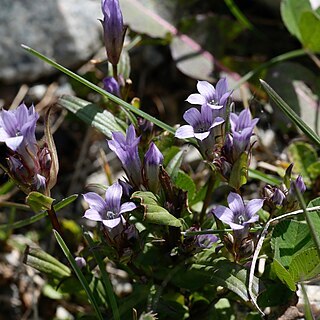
(66, 30)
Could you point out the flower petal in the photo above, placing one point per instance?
(93, 215)
(202, 135)
(224, 214)
(95, 202)
(14, 142)
(253, 206)
(236, 203)
(192, 116)
(184, 132)
(113, 197)
(221, 88)
(206, 89)
(196, 98)
(112, 223)
(127, 206)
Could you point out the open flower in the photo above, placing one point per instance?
(126, 148)
(114, 30)
(18, 126)
(208, 95)
(200, 123)
(109, 210)
(239, 215)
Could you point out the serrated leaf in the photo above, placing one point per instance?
(153, 212)
(283, 274)
(302, 155)
(291, 11)
(309, 27)
(305, 265)
(184, 182)
(289, 237)
(45, 263)
(219, 273)
(102, 120)
(37, 201)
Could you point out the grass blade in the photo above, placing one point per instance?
(79, 274)
(285, 108)
(104, 93)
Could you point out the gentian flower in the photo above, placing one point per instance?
(206, 241)
(200, 123)
(291, 197)
(215, 98)
(111, 85)
(238, 215)
(108, 210)
(152, 161)
(18, 126)
(28, 165)
(126, 149)
(114, 30)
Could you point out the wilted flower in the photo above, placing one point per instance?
(200, 123)
(126, 148)
(152, 161)
(109, 210)
(111, 85)
(114, 30)
(215, 98)
(239, 215)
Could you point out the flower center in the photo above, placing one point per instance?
(111, 215)
(240, 218)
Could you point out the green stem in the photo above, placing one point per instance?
(104, 93)
(207, 198)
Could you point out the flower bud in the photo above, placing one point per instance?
(114, 30)
(111, 85)
(152, 161)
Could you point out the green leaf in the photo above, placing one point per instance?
(37, 201)
(302, 155)
(219, 273)
(291, 114)
(291, 11)
(283, 274)
(184, 182)
(105, 277)
(309, 26)
(239, 172)
(173, 166)
(256, 174)
(314, 170)
(102, 120)
(79, 274)
(305, 265)
(45, 263)
(290, 237)
(153, 212)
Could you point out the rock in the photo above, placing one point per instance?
(67, 31)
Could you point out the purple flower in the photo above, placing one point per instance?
(206, 241)
(242, 121)
(300, 186)
(241, 128)
(126, 149)
(215, 98)
(239, 215)
(114, 30)
(200, 123)
(18, 127)
(81, 262)
(111, 85)
(152, 161)
(109, 210)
